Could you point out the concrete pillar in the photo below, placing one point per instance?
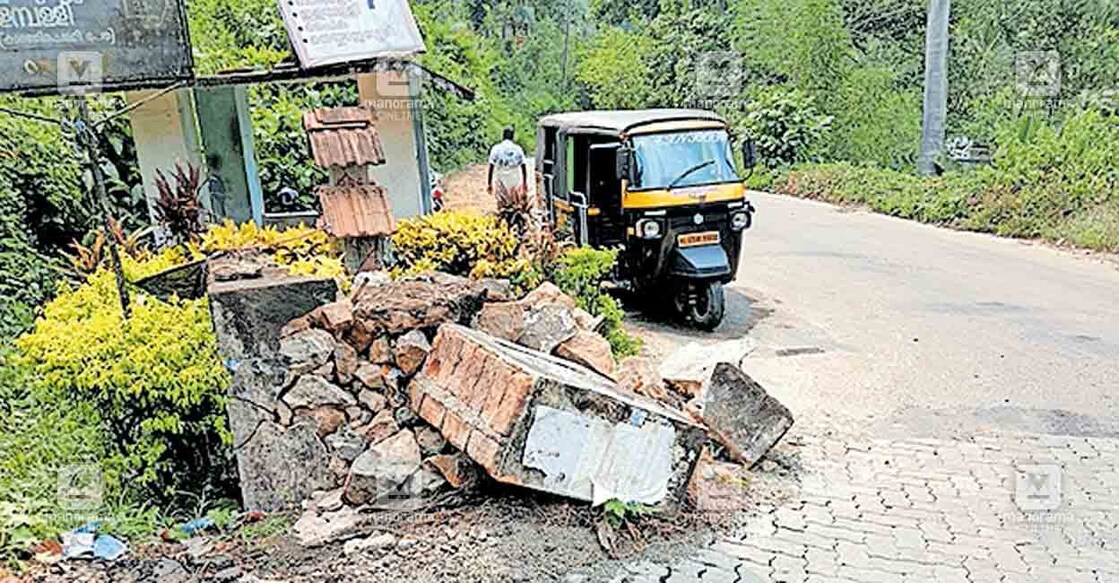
(165, 133)
(226, 131)
(395, 97)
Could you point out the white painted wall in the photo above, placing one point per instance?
(166, 133)
(391, 95)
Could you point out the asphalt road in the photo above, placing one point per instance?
(887, 323)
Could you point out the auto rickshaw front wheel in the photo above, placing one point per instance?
(702, 304)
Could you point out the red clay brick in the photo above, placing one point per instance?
(481, 392)
(495, 394)
(432, 411)
(483, 450)
(456, 430)
(512, 404)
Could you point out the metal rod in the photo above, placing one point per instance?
(87, 137)
(138, 104)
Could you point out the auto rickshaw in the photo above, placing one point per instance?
(661, 186)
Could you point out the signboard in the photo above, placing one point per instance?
(326, 32)
(73, 46)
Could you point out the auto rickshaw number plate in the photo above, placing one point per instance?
(698, 239)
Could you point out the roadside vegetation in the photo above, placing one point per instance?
(1057, 184)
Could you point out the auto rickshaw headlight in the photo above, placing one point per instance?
(740, 221)
(649, 229)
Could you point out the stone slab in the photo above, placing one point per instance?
(741, 415)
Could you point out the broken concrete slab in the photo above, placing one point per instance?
(538, 421)
(280, 466)
(249, 314)
(689, 367)
(741, 416)
(589, 349)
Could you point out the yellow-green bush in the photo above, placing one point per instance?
(303, 250)
(466, 244)
(155, 379)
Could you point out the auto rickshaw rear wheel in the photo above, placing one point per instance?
(702, 304)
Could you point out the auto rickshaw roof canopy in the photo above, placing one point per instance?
(624, 121)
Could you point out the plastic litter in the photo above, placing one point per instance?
(84, 543)
(197, 525)
(109, 548)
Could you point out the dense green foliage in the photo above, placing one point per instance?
(154, 379)
(1058, 184)
(139, 401)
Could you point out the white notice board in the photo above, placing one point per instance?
(326, 32)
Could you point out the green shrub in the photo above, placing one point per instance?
(785, 125)
(581, 273)
(42, 435)
(877, 119)
(26, 276)
(155, 380)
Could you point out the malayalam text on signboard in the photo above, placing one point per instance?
(326, 32)
(93, 44)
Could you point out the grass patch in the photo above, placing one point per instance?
(973, 201)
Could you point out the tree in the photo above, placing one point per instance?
(615, 69)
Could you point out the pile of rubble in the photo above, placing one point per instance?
(414, 388)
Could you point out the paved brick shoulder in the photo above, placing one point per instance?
(996, 508)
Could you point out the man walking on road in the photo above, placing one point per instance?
(507, 165)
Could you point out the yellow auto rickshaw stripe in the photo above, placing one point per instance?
(683, 196)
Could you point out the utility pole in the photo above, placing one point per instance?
(566, 42)
(936, 86)
(87, 138)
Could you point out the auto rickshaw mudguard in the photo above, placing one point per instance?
(705, 262)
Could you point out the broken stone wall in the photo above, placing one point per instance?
(272, 454)
(318, 401)
(411, 388)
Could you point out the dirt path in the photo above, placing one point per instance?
(466, 189)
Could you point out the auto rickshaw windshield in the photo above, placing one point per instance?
(681, 159)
